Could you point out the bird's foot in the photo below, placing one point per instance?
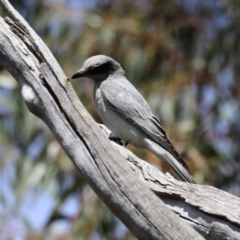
(115, 139)
(125, 144)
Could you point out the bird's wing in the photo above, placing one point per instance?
(124, 98)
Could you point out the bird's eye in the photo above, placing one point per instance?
(97, 70)
(104, 68)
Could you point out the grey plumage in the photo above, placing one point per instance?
(126, 113)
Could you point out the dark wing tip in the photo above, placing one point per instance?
(168, 145)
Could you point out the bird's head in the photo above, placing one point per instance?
(99, 68)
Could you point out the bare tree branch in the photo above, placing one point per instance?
(212, 212)
(49, 95)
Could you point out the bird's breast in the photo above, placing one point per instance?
(115, 121)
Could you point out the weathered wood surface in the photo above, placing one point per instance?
(49, 95)
(126, 187)
(212, 212)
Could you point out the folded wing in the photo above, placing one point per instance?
(127, 101)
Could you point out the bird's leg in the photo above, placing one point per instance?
(115, 139)
(118, 140)
(126, 143)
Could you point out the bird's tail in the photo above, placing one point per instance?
(178, 168)
(175, 164)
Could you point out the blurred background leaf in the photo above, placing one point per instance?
(183, 56)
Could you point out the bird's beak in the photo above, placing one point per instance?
(80, 73)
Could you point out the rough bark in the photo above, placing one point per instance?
(212, 212)
(49, 95)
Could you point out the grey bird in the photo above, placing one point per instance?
(126, 113)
